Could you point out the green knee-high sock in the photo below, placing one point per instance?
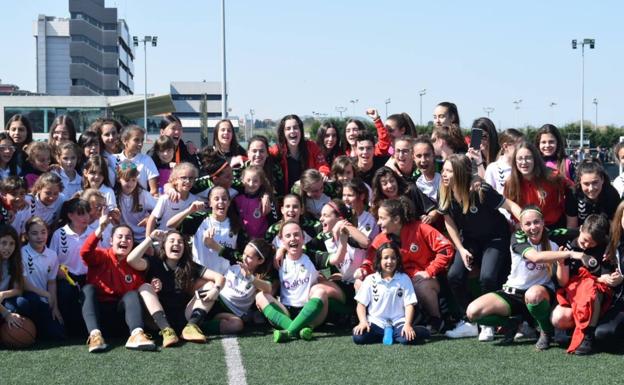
(541, 313)
(276, 316)
(492, 320)
(309, 312)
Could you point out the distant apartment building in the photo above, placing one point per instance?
(88, 54)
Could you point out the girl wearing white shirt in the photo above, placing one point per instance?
(529, 290)
(386, 298)
(133, 201)
(497, 172)
(95, 175)
(132, 138)
(300, 295)
(218, 237)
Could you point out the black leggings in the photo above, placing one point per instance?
(610, 328)
(95, 312)
(492, 256)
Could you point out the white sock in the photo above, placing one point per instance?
(94, 332)
(136, 331)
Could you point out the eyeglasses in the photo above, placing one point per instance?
(7, 148)
(187, 178)
(402, 150)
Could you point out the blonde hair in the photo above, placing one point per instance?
(463, 184)
(177, 170)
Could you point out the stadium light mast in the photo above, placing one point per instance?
(591, 43)
(488, 111)
(135, 42)
(421, 93)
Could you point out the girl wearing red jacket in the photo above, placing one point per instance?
(112, 286)
(294, 153)
(426, 253)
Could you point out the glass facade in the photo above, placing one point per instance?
(42, 117)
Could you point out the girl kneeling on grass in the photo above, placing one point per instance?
(300, 295)
(529, 290)
(388, 298)
(173, 276)
(112, 286)
(243, 282)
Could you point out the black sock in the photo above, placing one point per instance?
(161, 319)
(197, 316)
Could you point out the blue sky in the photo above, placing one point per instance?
(298, 57)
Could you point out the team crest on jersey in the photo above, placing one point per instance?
(248, 286)
(542, 194)
(400, 292)
(302, 268)
(231, 234)
(413, 247)
(474, 209)
(257, 214)
(368, 227)
(128, 278)
(49, 269)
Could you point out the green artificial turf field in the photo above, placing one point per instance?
(329, 359)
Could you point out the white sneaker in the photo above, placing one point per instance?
(462, 330)
(525, 331)
(487, 334)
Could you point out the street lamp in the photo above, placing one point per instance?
(340, 110)
(387, 102)
(517, 107)
(421, 93)
(591, 43)
(135, 42)
(596, 104)
(488, 110)
(353, 103)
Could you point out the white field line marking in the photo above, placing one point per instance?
(234, 361)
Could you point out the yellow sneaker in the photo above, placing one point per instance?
(169, 336)
(96, 343)
(140, 341)
(193, 333)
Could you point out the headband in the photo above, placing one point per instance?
(533, 209)
(218, 169)
(257, 249)
(336, 209)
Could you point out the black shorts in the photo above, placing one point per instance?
(516, 302)
(349, 292)
(218, 308)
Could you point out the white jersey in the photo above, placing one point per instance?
(166, 209)
(131, 218)
(386, 300)
(145, 165)
(21, 216)
(496, 174)
(367, 224)
(70, 186)
(352, 260)
(429, 187)
(67, 244)
(108, 194)
(525, 273)
(296, 279)
(314, 206)
(49, 213)
(224, 236)
(39, 268)
(239, 294)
